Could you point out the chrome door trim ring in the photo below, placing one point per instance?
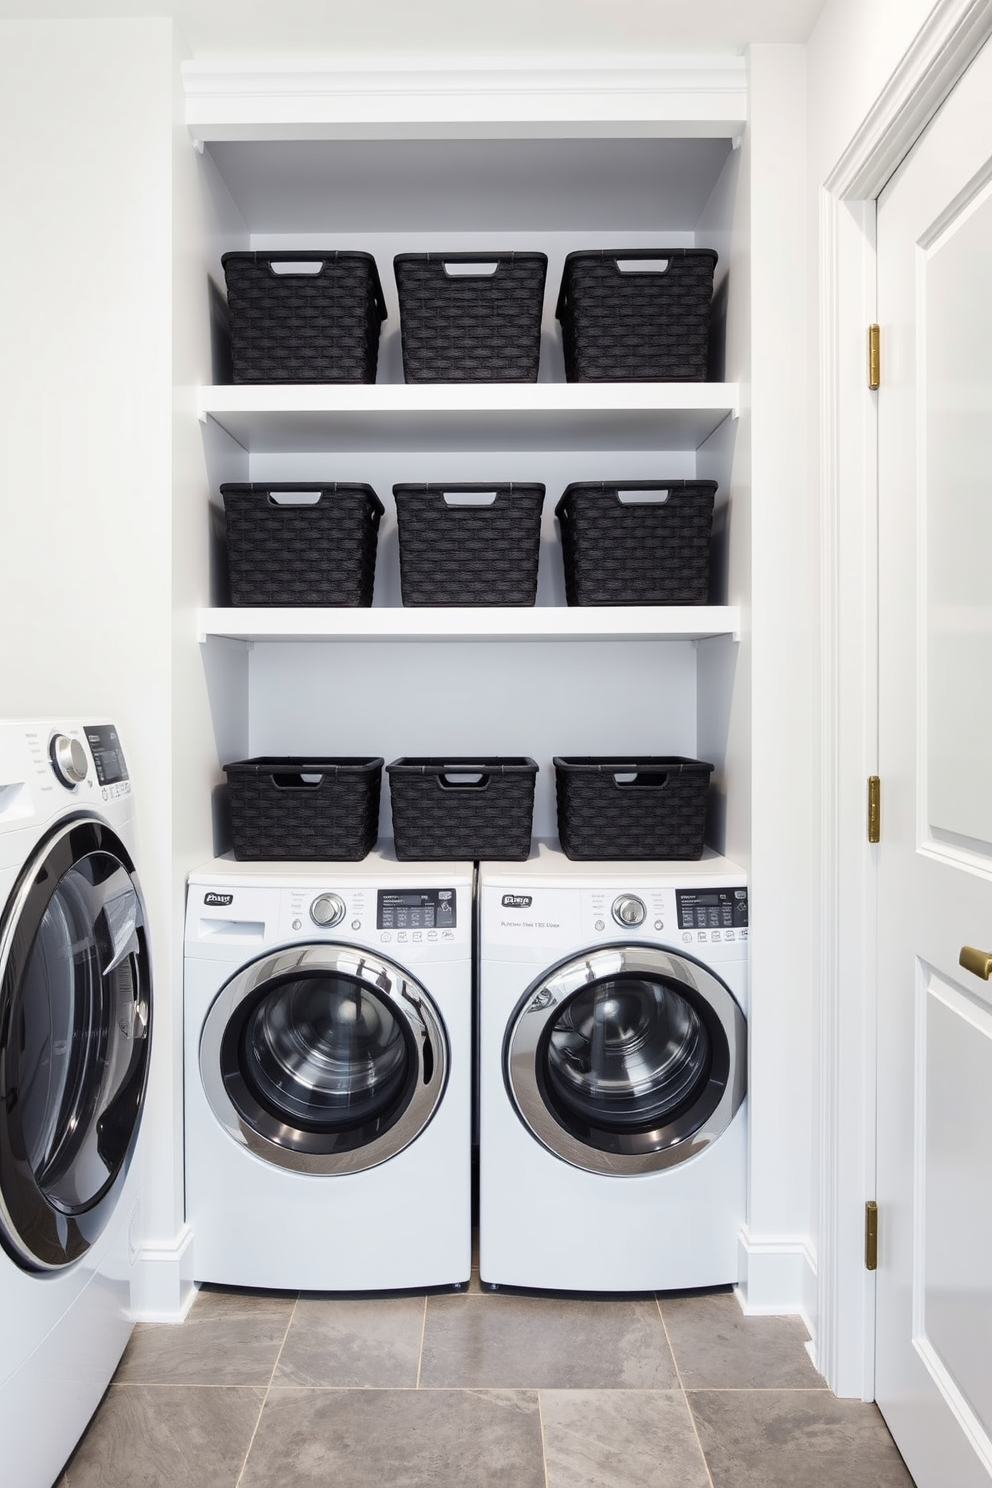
(84, 1229)
(539, 1007)
(409, 1001)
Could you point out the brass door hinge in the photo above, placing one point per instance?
(874, 357)
(871, 1236)
(874, 809)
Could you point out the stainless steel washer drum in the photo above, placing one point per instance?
(323, 1058)
(627, 1059)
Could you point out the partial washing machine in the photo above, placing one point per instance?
(328, 1073)
(612, 1073)
(75, 1010)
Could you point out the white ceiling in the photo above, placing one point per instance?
(512, 29)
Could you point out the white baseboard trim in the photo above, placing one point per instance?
(162, 1285)
(777, 1276)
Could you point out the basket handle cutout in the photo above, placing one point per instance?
(456, 270)
(642, 265)
(463, 780)
(656, 497)
(296, 780)
(469, 498)
(296, 266)
(642, 780)
(294, 498)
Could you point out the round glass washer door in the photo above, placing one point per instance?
(323, 1059)
(75, 1011)
(627, 1059)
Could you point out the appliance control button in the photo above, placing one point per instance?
(68, 760)
(297, 924)
(600, 925)
(327, 910)
(356, 924)
(659, 924)
(628, 910)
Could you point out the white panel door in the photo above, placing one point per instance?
(934, 1186)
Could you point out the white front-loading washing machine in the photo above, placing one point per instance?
(328, 1074)
(612, 1073)
(75, 1008)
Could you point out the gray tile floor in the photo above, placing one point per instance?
(259, 1390)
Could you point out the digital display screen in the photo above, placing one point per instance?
(415, 909)
(719, 909)
(107, 754)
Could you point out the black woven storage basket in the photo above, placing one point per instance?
(459, 547)
(462, 808)
(301, 552)
(651, 806)
(651, 549)
(291, 324)
(620, 326)
(457, 325)
(302, 808)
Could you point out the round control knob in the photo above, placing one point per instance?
(68, 760)
(327, 910)
(628, 910)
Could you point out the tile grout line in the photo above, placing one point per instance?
(758, 1390)
(423, 1334)
(544, 1444)
(265, 1394)
(684, 1391)
(433, 1389)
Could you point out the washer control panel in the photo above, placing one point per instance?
(711, 909)
(89, 756)
(553, 916)
(422, 922)
(108, 757)
(415, 909)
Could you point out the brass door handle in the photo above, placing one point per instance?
(980, 962)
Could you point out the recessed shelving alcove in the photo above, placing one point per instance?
(450, 162)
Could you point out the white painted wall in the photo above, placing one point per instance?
(452, 28)
(84, 358)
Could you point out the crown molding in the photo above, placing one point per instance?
(664, 96)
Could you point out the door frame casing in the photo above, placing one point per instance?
(951, 38)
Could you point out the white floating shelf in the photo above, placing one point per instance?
(292, 418)
(538, 623)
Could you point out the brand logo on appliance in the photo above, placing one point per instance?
(218, 898)
(517, 901)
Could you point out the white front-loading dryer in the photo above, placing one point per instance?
(75, 1024)
(328, 1074)
(612, 1073)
